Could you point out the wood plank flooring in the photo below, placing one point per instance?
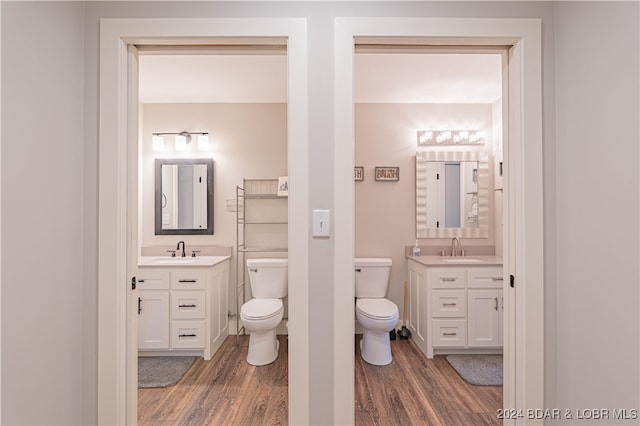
(415, 390)
(222, 391)
(412, 390)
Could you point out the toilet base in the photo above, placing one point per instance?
(375, 347)
(263, 348)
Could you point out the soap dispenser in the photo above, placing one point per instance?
(416, 249)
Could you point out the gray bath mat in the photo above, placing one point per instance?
(162, 371)
(482, 370)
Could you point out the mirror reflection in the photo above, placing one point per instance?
(184, 196)
(451, 194)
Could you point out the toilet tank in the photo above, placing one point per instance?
(268, 278)
(372, 276)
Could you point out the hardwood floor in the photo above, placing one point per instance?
(222, 391)
(415, 390)
(412, 390)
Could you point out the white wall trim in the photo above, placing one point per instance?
(523, 192)
(0, 219)
(115, 35)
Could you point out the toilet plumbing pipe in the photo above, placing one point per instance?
(404, 332)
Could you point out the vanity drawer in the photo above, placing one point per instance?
(188, 280)
(187, 304)
(449, 333)
(187, 334)
(152, 279)
(484, 277)
(447, 278)
(448, 303)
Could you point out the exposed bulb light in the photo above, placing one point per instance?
(424, 137)
(451, 137)
(477, 136)
(443, 136)
(460, 136)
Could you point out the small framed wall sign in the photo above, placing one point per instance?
(387, 173)
(283, 186)
(358, 173)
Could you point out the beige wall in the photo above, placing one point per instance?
(245, 141)
(385, 211)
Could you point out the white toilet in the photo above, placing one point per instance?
(377, 315)
(261, 315)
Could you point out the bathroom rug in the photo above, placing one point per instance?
(162, 371)
(481, 370)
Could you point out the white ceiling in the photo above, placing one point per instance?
(379, 78)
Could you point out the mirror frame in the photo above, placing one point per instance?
(158, 195)
(482, 230)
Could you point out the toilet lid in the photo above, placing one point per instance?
(377, 308)
(261, 308)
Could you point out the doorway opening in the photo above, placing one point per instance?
(522, 148)
(401, 92)
(118, 199)
(236, 95)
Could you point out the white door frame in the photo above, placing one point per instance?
(523, 192)
(117, 396)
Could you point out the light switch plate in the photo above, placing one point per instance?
(321, 223)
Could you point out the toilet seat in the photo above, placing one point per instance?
(261, 309)
(377, 309)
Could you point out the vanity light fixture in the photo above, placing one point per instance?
(451, 137)
(181, 140)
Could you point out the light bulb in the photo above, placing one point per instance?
(157, 143)
(181, 143)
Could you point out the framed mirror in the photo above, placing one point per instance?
(452, 194)
(184, 196)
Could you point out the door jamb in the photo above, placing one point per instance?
(114, 389)
(524, 387)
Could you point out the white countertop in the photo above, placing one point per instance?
(469, 260)
(181, 261)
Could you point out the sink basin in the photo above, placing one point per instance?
(462, 260)
(173, 261)
(180, 261)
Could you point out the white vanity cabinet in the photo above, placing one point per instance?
(153, 310)
(455, 309)
(486, 307)
(182, 309)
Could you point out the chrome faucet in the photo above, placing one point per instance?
(178, 248)
(455, 240)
